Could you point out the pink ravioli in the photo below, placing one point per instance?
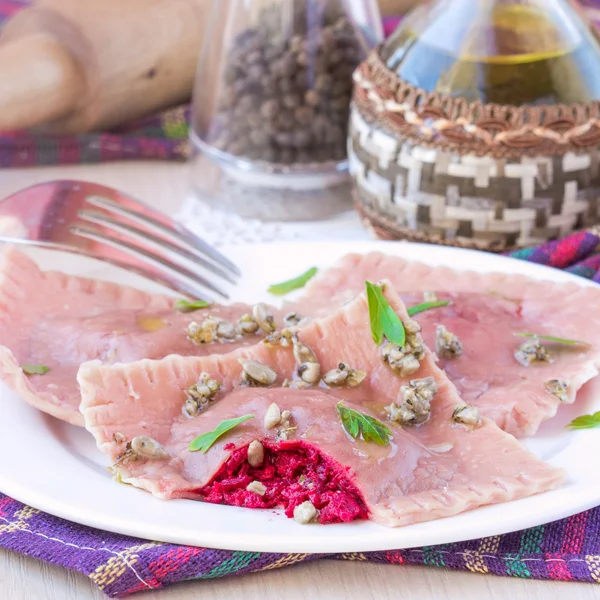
(487, 311)
(433, 470)
(61, 321)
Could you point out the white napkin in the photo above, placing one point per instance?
(221, 228)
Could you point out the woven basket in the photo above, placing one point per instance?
(436, 169)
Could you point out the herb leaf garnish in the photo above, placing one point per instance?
(585, 422)
(35, 369)
(279, 289)
(384, 321)
(187, 306)
(206, 440)
(356, 423)
(551, 338)
(419, 308)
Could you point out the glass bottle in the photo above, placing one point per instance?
(517, 52)
(271, 104)
(477, 124)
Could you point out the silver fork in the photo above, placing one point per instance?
(103, 223)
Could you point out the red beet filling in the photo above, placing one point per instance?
(292, 472)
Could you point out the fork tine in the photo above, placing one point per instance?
(179, 286)
(147, 255)
(174, 229)
(110, 223)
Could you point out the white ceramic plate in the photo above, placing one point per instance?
(56, 467)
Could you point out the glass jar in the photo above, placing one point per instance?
(271, 104)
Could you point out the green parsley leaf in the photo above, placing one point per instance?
(419, 308)
(35, 369)
(383, 319)
(585, 422)
(356, 423)
(206, 440)
(187, 306)
(279, 289)
(551, 338)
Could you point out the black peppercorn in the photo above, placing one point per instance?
(304, 115)
(291, 100)
(269, 108)
(312, 98)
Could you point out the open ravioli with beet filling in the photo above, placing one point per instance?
(377, 444)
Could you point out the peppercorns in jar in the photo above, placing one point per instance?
(287, 85)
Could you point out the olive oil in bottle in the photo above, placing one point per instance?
(517, 52)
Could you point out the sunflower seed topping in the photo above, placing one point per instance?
(211, 330)
(302, 352)
(532, 351)
(118, 438)
(344, 375)
(309, 372)
(355, 378)
(413, 406)
(226, 330)
(447, 344)
(246, 325)
(145, 447)
(402, 360)
(272, 416)
(308, 367)
(336, 377)
(284, 432)
(413, 329)
(558, 388)
(281, 338)
(256, 454)
(191, 408)
(263, 316)
(204, 333)
(466, 415)
(199, 395)
(405, 360)
(305, 513)
(292, 319)
(257, 488)
(256, 373)
(273, 340)
(127, 456)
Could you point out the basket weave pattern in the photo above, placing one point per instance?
(410, 183)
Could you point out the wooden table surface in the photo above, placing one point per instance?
(166, 186)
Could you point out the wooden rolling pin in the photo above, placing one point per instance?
(73, 66)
